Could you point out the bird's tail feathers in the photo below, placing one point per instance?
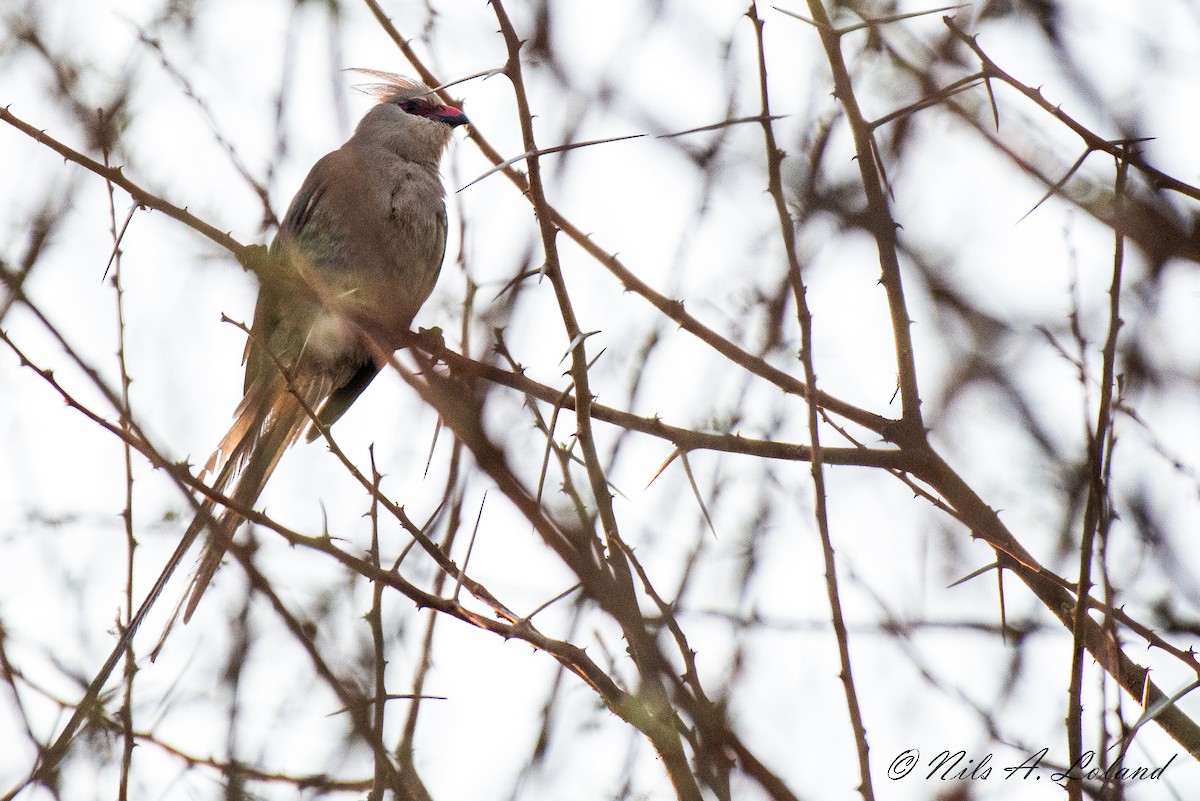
(268, 420)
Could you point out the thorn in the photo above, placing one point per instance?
(674, 455)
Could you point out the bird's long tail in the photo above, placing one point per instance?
(268, 420)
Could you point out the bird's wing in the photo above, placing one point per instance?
(268, 311)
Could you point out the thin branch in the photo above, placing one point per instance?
(1114, 148)
(142, 197)
(787, 233)
(545, 151)
(1097, 494)
(879, 221)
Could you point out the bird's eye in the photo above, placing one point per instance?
(410, 105)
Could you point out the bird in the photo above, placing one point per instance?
(356, 255)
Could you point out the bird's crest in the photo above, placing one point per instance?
(391, 85)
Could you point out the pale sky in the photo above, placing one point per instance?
(62, 479)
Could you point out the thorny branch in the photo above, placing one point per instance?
(689, 730)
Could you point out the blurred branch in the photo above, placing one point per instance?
(257, 186)
(787, 231)
(878, 220)
(979, 517)
(685, 439)
(983, 522)
(672, 309)
(142, 197)
(1157, 228)
(1115, 148)
(653, 715)
(672, 687)
(508, 162)
(1096, 508)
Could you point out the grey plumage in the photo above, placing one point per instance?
(357, 253)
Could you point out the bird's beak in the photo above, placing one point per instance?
(450, 115)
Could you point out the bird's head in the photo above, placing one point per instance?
(412, 97)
